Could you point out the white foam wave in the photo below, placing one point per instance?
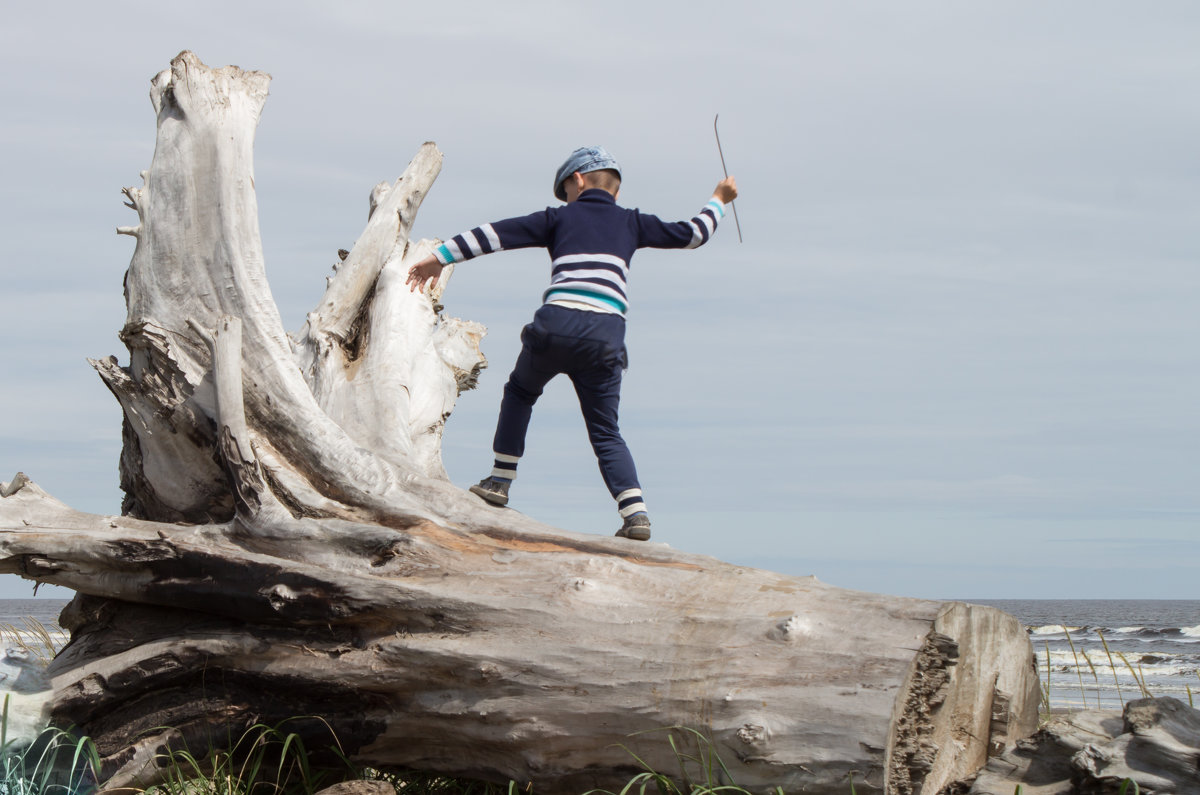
(1088, 659)
(1053, 629)
(1191, 632)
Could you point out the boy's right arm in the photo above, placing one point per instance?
(423, 271)
(521, 232)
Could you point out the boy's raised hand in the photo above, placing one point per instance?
(423, 271)
(726, 190)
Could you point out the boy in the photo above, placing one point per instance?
(580, 328)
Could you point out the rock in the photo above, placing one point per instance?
(1155, 743)
(359, 788)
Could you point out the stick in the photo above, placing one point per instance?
(722, 154)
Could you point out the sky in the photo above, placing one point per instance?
(955, 355)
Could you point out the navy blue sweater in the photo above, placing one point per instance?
(591, 242)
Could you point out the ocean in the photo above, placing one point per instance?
(1098, 653)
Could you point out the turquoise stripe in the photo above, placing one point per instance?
(614, 303)
(444, 255)
(716, 206)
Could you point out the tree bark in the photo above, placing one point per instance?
(290, 546)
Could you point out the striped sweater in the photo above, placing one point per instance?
(591, 242)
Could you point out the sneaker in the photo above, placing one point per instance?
(635, 526)
(493, 490)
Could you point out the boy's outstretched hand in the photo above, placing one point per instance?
(423, 271)
(726, 190)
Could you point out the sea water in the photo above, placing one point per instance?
(1093, 652)
(24, 648)
(1104, 652)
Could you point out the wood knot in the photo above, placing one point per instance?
(791, 630)
(752, 734)
(280, 596)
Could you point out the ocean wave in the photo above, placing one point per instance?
(1157, 662)
(1054, 629)
(1143, 633)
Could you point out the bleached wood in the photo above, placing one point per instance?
(296, 549)
(531, 654)
(199, 257)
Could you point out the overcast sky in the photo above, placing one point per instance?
(955, 357)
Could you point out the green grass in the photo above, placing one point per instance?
(701, 769)
(262, 760)
(55, 763)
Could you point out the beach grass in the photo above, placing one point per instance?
(259, 761)
(1112, 665)
(1078, 670)
(55, 763)
(1129, 679)
(1047, 710)
(33, 637)
(1138, 676)
(701, 769)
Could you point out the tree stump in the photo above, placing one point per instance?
(290, 546)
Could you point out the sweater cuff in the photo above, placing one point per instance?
(718, 206)
(443, 255)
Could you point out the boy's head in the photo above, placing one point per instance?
(598, 167)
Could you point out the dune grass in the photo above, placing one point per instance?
(261, 760)
(33, 637)
(1112, 665)
(1118, 662)
(55, 763)
(701, 769)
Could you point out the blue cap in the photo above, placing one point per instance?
(588, 158)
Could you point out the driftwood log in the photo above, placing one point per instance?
(290, 546)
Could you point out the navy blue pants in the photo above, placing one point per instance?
(589, 348)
